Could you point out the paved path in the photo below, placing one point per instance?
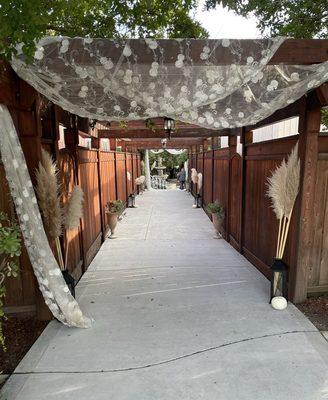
(178, 316)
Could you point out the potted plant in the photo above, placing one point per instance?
(113, 210)
(217, 213)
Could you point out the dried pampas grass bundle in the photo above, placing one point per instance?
(194, 175)
(74, 209)
(47, 189)
(283, 187)
(140, 180)
(73, 214)
(199, 182)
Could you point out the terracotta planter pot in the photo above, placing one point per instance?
(217, 223)
(112, 219)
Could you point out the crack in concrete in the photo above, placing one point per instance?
(171, 360)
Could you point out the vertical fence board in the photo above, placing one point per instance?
(67, 177)
(107, 180)
(91, 222)
(208, 177)
(121, 176)
(129, 174)
(221, 179)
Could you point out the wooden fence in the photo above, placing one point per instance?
(239, 184)
(101, 175)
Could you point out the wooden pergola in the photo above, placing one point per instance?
(236, 180)
(195, 140)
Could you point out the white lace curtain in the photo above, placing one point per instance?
(171, 151)
(51, 282)
(114, 80)
(183, 79)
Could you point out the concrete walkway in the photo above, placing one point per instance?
(178, 316)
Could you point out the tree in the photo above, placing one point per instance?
(295, 18)
(24, 21)
(170, 161)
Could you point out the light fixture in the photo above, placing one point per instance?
(169, 126)
(279, 285)
(131, 200)
(164, 143)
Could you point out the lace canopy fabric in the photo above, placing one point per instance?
(214, 84)
(51, 282)
(171, 151)
(222, 84)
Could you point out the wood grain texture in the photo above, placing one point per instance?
(120, 176)
(91, 221)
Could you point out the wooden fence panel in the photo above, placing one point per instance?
(91, 222)
(139, 171)
(235, 198)
(67, 177)
(134, 170)
(318, 272)
(221, 179)
(107, 181)
(200, 169)
(129, 174)
(260, 225)
(208, 177)
(120, 176)
(21, 291)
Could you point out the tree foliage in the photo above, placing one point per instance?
(24, 21)
(170, 161)
(295, 18)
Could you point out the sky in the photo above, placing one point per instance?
(221, 23)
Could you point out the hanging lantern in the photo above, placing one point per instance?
(279, 279)
(131, 201)
(169, 126)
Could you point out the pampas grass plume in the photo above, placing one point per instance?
(199, 181)
(276, 189)
(194, 176)
(74, 210)
(47, 189)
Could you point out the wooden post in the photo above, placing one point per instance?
(245, 138)
(232, 142)
(309, 128)
(95, 144)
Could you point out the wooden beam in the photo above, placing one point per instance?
(308, 150)
(301, 52)
(156, 144)
(145, 133)
(292, 110)
(291, 52)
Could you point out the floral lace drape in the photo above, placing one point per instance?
(184, 79)
(114, 80)
(52, 285)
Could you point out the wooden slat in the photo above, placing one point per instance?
(159, 133)
(91, 222)
(308, 148)
(120, 176)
